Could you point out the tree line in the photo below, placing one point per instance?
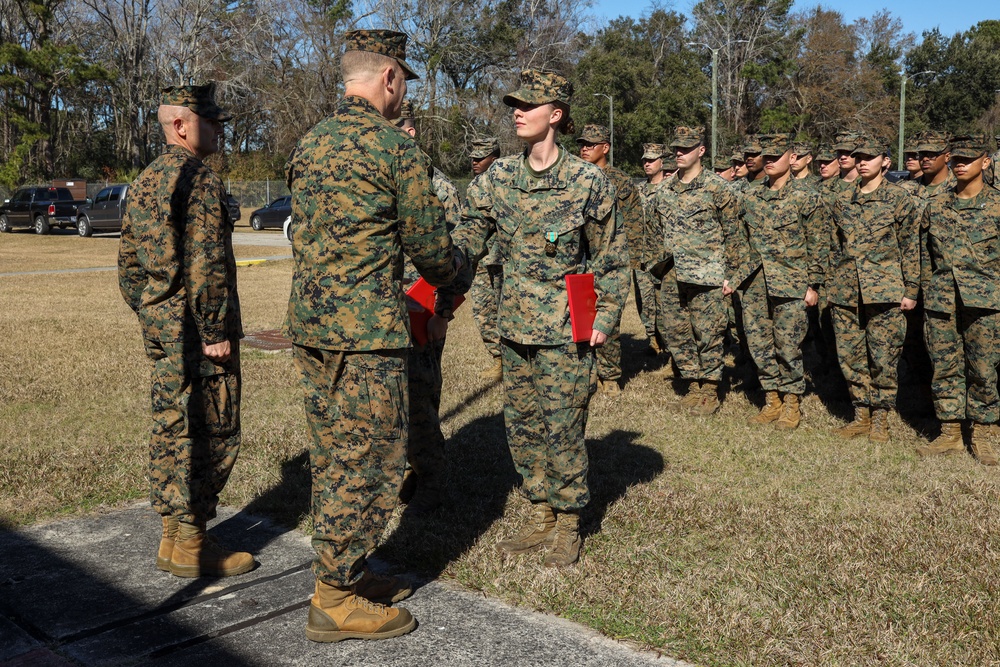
(80, 79)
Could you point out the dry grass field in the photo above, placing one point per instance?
(707, 539)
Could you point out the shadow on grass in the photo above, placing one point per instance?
(479, 477)
(616, 465)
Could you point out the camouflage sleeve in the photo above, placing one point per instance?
(909, 240)
(477, 226)
(816, 219)
(132, 278)
(608, 254)
(448, 194)
(204, 259)
(630, 205)
(735, 245)
(923, 231)
(423, 233)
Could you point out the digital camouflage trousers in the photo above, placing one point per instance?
(775, 329)
(195, 437)
(869, 342)
(547, 392)
(356, 409)
(964, 348)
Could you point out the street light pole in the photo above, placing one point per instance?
(715, 88)
(611, 126)
(902, 112)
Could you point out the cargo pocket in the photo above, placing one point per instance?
(214, 407)
(376, 398)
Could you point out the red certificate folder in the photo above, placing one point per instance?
(582, 305)
(420, 304)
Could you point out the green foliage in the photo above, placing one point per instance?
(968, 74)
(655, 80)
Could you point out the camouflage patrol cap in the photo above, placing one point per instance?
(911, 143)
(774, 144)
(540, 87)
(387, 43)
(802, 149)
(483, 148)
(594, 134)
(969, 144)
(688, 137)
(846, 141)
(751, 145)
(721, 164)
(825, 153)
(199, 99)
(871, 145)
(932, 141)
(653, 151)
(737, 156)
(406, 110)
(669, 163)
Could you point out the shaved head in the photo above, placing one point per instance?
(166, 114)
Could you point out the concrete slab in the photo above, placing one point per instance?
(87, 591)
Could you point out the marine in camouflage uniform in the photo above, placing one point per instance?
(425, 445)
(990, 173)
(555, 219)
(697, 211)
(960, 270)
(803, 158)
(647, 285)
(874, 277)
(363, 199)
(177, 272)
(788, 229)
(911, 162)
(485, 292)
(844, 144)
(594, 142)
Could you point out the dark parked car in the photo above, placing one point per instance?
(272, 215)
(105, 214)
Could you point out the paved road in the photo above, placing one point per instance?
(86, 592)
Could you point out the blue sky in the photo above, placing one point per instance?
(917, 15)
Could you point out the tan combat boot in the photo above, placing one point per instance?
(566, 545)
(609, 387)
(709, 402)
(494, 372)
(949, 442)
(336, 613)
(982, 448)
(382, 587)
(880, 426)
(198, 555)
(539, 532)
(693, 397)
(790, 414)
(771, 410)
(166, 543)
(860, 427)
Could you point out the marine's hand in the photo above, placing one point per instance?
(726, 289)
(437, 328)
(907, 304)
(598, 338)
(217, 352)
(812, 297)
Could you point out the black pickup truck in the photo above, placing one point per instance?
(39, 208)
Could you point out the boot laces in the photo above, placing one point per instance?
(367, 605)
